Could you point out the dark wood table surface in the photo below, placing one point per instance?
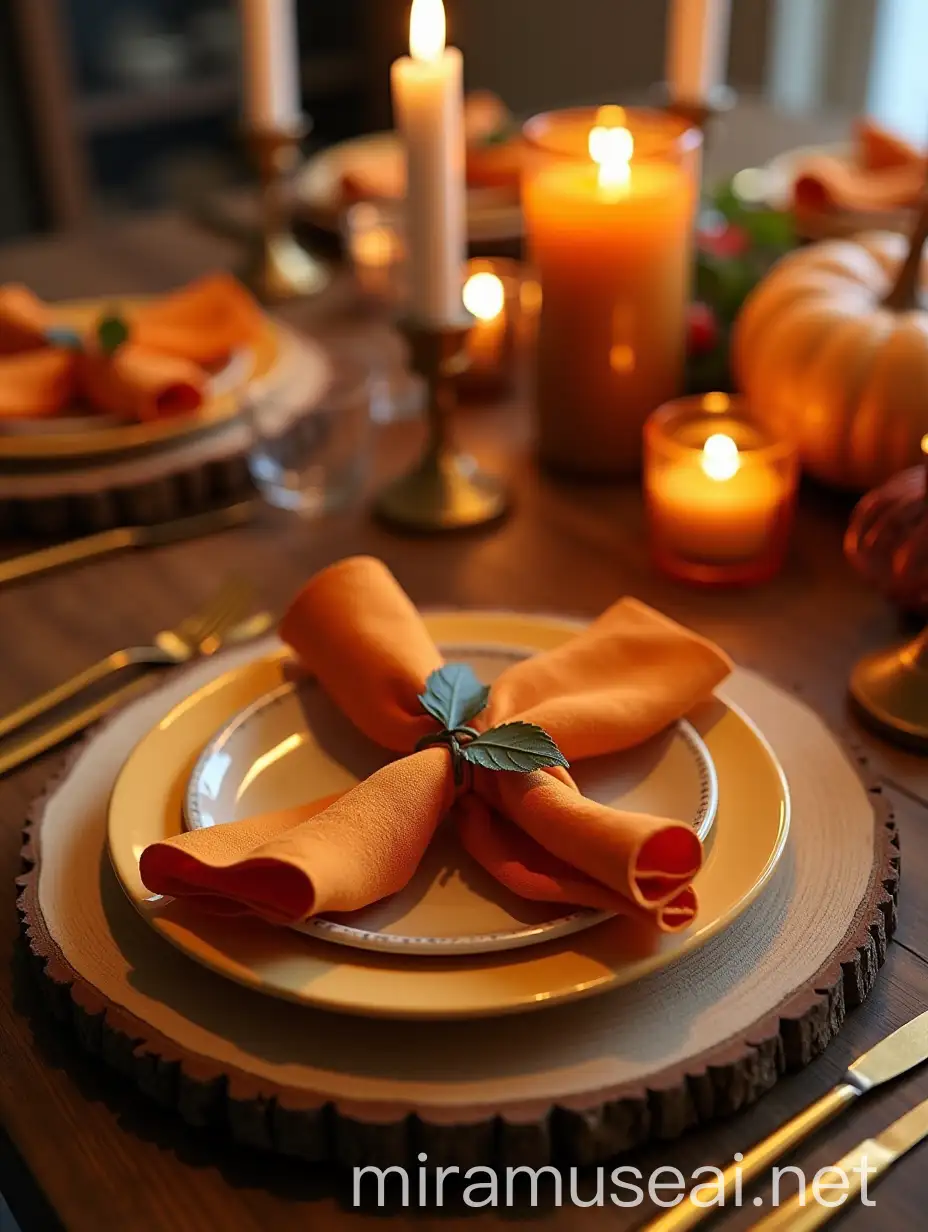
(80, 1149)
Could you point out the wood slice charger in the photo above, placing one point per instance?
(574, 1084)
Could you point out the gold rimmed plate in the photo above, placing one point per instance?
(748, 839)
(79, 437)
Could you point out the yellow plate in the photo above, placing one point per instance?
(91, 442)
(749, 838)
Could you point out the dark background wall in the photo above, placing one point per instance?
(17, 198)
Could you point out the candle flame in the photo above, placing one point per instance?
(612, 147)
(720, 458)
(427, 30)
(924, 445)
(484, 296)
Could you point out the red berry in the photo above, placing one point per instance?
(702, 329)
(725, 243)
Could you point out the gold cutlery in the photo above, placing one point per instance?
(889, 1059)
(31, 747)
(193, 637)
(76, 551)
(872, 1158)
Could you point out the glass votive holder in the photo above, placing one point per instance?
(492, 287)
(376, 249)
(720, 491)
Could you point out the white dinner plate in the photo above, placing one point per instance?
(745, 846)
(293, 745)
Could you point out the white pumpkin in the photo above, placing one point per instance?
(833, 347)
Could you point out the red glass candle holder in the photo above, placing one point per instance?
(720, 492)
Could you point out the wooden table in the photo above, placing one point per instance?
(82, 1150)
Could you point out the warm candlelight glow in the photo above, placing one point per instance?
(484, 296)
(612, 147)
(924, 445)
(716, 403)
(427, 30)
(720, 458)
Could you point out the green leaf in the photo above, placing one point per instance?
(769, 229)
(112, 332)
(453, 695)
(518, 747)
(61, 336)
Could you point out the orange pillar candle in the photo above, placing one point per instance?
(609, 202)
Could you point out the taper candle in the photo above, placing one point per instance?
(697, 48)
(271, 65)
(428, 98)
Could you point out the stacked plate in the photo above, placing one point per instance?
(80, 472)
(453, 944)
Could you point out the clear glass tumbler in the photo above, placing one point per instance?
(313, 458)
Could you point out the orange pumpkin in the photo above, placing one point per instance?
(832, 347)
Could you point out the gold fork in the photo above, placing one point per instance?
(197, 636)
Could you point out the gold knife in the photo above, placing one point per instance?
(871, 1159)
(32, 564)
(29, 747)
(33, 746)
(889, 1059)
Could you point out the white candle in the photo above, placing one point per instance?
(271, 64)
(697, 48)
(719, 509)
(428, 98)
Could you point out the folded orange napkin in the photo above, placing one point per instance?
(135, 383)
(23, 320)
(614, 685)
(37, 384)
(203, 322)
(886, 174)
(160, 370)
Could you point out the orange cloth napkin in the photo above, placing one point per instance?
(203, 322)
(161, 371)
(887, 174)
(37, 384)
(614, 685)
(23, 320)
(138, 384)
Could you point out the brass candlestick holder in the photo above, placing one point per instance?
(280, 268)
(890, 691)
(700, 114)
(445, 490)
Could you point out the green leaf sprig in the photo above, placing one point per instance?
(112, 333)
(454, 697)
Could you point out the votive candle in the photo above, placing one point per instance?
(720, 491)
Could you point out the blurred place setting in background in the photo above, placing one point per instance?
(463, 472)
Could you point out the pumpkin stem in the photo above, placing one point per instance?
(904, 295)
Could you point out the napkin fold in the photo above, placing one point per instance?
(614, 685)
(135, 383)
(37, 384)
(23, 320)
(203, 322)
(886, 174)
